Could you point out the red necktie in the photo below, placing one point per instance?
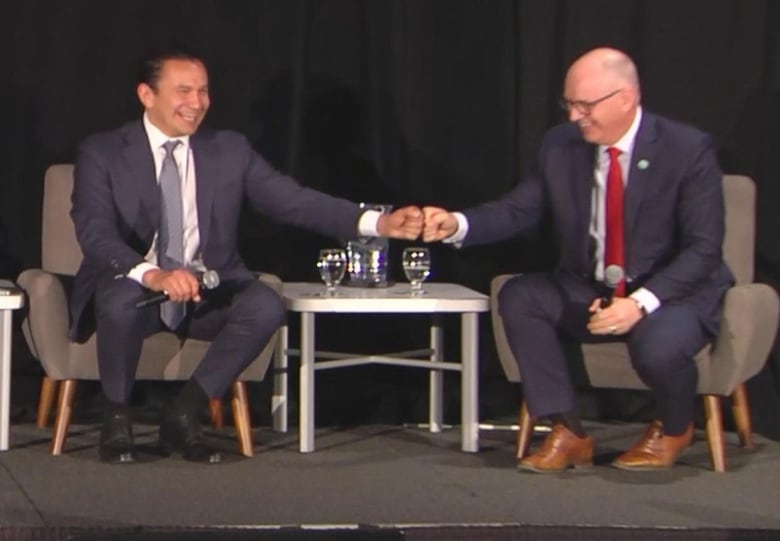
(613, 251)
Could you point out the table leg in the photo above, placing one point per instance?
(5, 377)
(469, 383)
(435, 396)
(306, 394)
(279, 401)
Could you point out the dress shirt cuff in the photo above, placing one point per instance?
(367, 223)
(647, 299)
(463, 229)
(137, 272)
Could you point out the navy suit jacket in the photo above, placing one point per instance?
(673, 212)
(116, 205)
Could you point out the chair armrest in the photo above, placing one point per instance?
(271, 280)
(505, 356)
(45, 325)
(747, 333)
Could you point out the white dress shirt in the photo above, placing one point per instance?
(182, 154)
(598, 205)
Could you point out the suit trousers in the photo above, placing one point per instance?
(545, 313)
(238, 317)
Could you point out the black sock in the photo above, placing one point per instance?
(112, 408)
(191, 399)
(571, 421)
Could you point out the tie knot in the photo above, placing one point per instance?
(613, 153)
(170, 146)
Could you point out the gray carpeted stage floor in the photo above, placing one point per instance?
(378, 475)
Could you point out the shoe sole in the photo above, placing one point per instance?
(625, 467)
(534, 469)
(122, 458)
(664, 467)
(167, 449)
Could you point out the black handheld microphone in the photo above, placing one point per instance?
(208, 279)
(613, 275)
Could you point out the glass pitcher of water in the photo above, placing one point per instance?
(367, 256)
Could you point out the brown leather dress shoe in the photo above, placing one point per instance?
(655, 450)
(561, 450)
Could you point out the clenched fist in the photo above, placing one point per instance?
(404, 223)
(439, 224)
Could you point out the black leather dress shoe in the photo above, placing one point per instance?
(181, 433)
(116, 436)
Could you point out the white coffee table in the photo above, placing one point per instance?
(309, 299)
(8, 303)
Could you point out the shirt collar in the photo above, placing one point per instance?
(157, 138)
(626, 143)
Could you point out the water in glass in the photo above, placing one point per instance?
(332, 264)
(417, 266)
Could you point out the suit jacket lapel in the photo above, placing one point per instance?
(582, 173)
(137, 188)
(639, 171)
(206, 179)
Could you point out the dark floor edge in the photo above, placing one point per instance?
(401, 532)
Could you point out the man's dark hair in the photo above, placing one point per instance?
(151, 65)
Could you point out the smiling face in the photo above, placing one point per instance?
(604, 95)
(177, 103)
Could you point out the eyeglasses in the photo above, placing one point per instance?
(585, 107)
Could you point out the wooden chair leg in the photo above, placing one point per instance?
(525, 431)
(714, 420)
(741, 410)
(48, 391)
(62, 419)
(217, 418)
(241, 419)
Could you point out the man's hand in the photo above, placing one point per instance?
(179, 284)
(617, 318)
(439, 224)
(404, 223)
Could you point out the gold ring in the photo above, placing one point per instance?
(613, 329)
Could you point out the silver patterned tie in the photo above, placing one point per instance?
(170, 245)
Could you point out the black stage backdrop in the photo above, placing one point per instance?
(396, 101)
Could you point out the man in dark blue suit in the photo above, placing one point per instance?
(667, 243)
(119, 214)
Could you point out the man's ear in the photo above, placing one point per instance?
(630, 98)
(145, 95)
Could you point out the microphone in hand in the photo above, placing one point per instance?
(208, 279)
(613, 275)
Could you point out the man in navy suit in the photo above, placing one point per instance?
(118, 214)
(666, 305)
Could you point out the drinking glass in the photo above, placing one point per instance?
(332, 264)
(417, 266)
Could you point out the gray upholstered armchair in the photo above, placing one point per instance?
(748, 329)
(164, 356)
